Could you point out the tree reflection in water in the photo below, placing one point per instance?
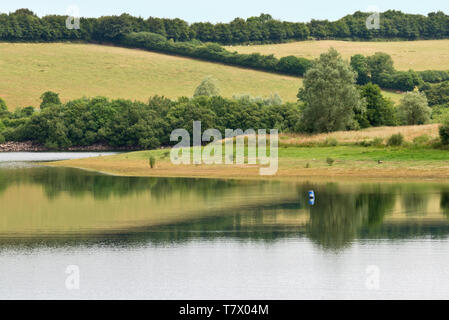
(342, 213)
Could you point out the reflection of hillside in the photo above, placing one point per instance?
(79, 183)
(58, 201)
(70, 205)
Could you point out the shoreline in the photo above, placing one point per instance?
(29, 146)
(135, 164)
(316, 176)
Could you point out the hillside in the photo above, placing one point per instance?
(416, 55)
(76, 70)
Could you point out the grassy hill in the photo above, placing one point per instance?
(76, 70)
(416, 55)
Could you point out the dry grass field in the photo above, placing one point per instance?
(77, 70)
(409, 133)
(416, 55)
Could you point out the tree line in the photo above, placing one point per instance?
(214, 52)
(333, 101)
(125, 123)
(24, 25)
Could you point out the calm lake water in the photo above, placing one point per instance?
(153, 238)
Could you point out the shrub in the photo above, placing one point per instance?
(208, 87)
(437, 94)
(49, 98)
(330, 161)
(377, 142)
(51, 145)
(444, 133)
(294, 65)
(396, 140)
(364, 143)
(434, 76)
(152, 162)
(3, 108)
(440, 113)
(421, 140)
(2, 138)
(332, 142)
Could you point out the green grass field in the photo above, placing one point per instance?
(416, 55)
(77, 70)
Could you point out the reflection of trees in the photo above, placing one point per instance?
(244, 224)
(415, 203)
(378, 202)
(334, 219)
(79, 183)
(444, 202)
(337, 217)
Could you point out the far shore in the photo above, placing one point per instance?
(29, 146)
(294, 164)
(300, 157)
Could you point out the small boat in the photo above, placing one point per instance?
(311, 197)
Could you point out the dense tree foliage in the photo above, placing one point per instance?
(359, 64)
(208, 87)
(379, 110)
(124, 123)
(437, 94)
(434, 76)
(216, 53)
(393, 25)
(3, 108)
(24, 25)
(49, 99)
(330, 95)
(414, 109)
(444, 133)
(379, 69)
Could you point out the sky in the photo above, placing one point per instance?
(225, 10)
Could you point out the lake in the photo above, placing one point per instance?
(170, 238)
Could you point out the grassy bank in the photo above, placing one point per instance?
(302, 156)
(350, 161)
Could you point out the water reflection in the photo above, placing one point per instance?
(60, 206)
